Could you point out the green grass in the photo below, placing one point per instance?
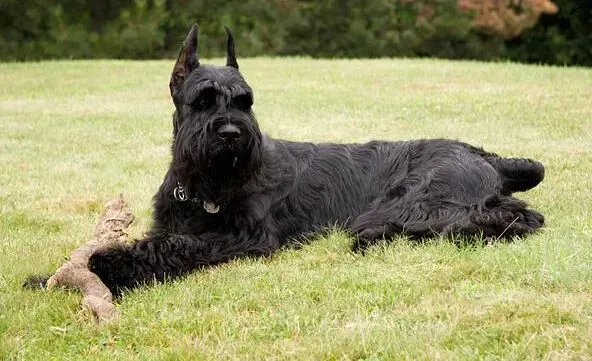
(75, 134)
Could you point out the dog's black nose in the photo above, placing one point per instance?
(229, 132)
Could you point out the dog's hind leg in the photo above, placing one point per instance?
(496, 216)
(517, 174)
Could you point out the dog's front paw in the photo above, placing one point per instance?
(366, 238)
(115, 267)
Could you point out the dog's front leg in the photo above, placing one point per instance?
(157, 258)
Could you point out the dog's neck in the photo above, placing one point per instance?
(211, 190)
(180, 195)
(199, 188)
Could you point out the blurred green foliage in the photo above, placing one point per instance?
(563, 38)
(38, 29)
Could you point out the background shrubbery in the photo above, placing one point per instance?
(40, 29)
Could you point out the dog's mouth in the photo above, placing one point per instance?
(225, 156)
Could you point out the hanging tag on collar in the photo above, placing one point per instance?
(179, 193)
(211, 207)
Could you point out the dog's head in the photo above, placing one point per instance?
(215, 132)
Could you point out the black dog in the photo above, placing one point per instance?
(231, 191)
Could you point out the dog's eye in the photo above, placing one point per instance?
(206, 99)
(242, 102)
(203, 103)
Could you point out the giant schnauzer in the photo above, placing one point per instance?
(231, 191)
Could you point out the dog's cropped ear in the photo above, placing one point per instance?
(230, 55)
(187, 61)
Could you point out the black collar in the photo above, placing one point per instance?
(180, 195)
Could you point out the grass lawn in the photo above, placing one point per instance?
(74, 134)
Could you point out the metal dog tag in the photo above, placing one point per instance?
(211, 207)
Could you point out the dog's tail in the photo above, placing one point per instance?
(518, 174)
(36, 281)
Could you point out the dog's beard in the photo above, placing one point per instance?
(209, 157)
(226, 157)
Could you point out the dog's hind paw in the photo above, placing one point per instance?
(363, 241)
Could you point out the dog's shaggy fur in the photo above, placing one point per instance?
(231, 191)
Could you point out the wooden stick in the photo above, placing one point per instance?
(109, 231)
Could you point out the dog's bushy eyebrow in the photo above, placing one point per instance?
(237, 89)
(191, 93)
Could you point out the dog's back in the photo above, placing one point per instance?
(333, 184)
